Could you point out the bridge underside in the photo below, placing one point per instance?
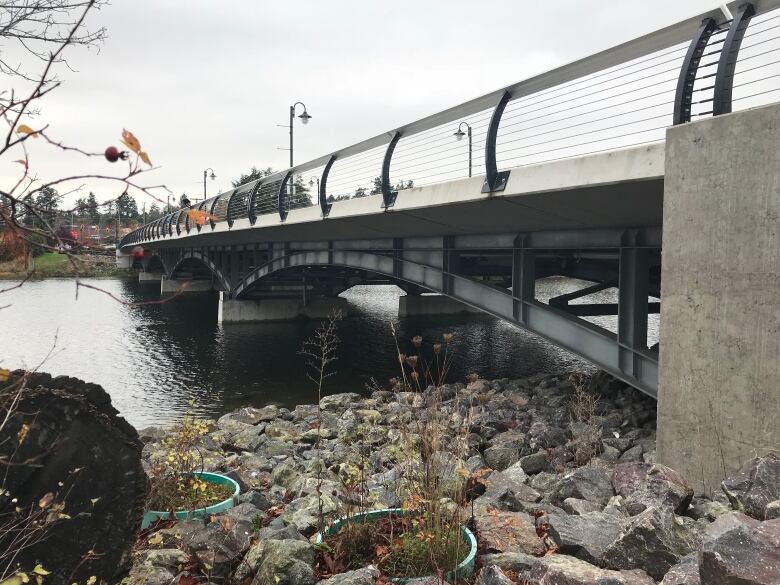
(493, 273)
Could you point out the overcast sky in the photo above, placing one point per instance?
(205, 83)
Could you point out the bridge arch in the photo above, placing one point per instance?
(194, 259)
(155, 263)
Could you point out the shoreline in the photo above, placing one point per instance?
(56, 265)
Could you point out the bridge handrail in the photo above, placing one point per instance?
(697, 31)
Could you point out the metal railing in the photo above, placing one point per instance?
(625, 96)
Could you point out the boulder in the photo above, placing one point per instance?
(508, 531)
(516, 562)
(686, 572)
(535, 462)
(364, 576)
(504, 492)
(654, 541)
(743, 554)
(565, 570)
(643, 486)
(586, 483)
(304, 512)
(772, 510)
(250, 416)
(492, 575)
(278, 562)
(338, 402)
(756, 486)
(499, 457)
(578, 507)
(586, 537)
(284, 431)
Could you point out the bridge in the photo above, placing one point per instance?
(667, 143)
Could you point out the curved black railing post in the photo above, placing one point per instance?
(199, 224)
(211, 211)
(323, 194)
(280, 195)
(388, 195)
(684, 95)
(494, 181)
(228, 213)
(251, 205)
(724, 78)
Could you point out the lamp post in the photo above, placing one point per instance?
(459, 134)
(305, 117)
(205, 174)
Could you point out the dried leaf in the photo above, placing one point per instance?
(25, 129)
(22, 434)
(4, 374)
(92, 580)
(145, 157)
(46, 500)
(200, 217)
(155, 539)
(130, 141)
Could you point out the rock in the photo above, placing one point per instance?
(246, 440)
(586, 537)
(221, 544)
(278, 562)
(509, 561)
(609, 454)
(586, 483)
(686, 572)
(534, 463)
(365, 576)
(772, 510)
(338, 402)
(706, 509)
(257, 499)
(544, 482)
(143, 574)
(505, 531)
(492, 575)
(284, 474)
(654, 540)
(478, 387)
(304, 512)
(544, 436)
(504, 492)
(151, 434)
(284, 431)
(756, 486)
(564, 570)
(288, 532)
(644, 486)
(578, 507)
(632, 454)
(743, 555)
(500, 457)
(249, 415)
(515, 472)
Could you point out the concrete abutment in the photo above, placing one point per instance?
(169, 286)
(278, 309)
(719, 387)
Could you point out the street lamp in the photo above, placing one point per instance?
(305, 117)
(459, 134)
(311, 183)
(205, 174)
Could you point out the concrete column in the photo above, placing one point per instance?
(147, 277)
(277, 309)
(719, 387)
(168, 287)
(415, 305)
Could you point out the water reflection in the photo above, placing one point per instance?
(155, 359)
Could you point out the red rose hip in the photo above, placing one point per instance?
(112, 154)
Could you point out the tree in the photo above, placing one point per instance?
(154, 212)
(92, 208)
(128, 208)
(46, 204)
(252, 175)
(266, 199)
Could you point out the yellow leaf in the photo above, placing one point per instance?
(46, 500)
(130, 141)
(94, 501)
(25, 129)
(91, 580)
(4, 374)
(39, 570)
(155, 539)
(200, 217)
(16, 579)
(145, 157)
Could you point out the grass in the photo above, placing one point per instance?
(52, 265)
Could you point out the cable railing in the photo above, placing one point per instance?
(626, 96)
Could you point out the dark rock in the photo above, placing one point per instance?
(644, 486)
(586, 537)
(744, 554)
(257, 499)
(772, 510)
(500, 457)
(544, 436)
(632, 454)
(706, 509)
(565, 570)
(250, 415)
(288, 532)
(586, 483)
(686, 572)
(536, 462)
(654, 541)
(505, 531)
(544, 482)
(503, 492)
(756, 486)
(278, 562)
(89, 459)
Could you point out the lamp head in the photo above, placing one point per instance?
(459, 134)
(213, 176)
(305, 117)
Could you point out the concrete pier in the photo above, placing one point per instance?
(416, 305)
(147, 277)
(719, 387)
(277, 309)
(169, 287)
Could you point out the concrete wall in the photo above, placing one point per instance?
(147, 277)
(281, 309)
(172, 286)
(719, 388)
(412, 305)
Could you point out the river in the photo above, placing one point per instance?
(158, 360)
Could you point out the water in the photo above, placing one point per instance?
(155, 359)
